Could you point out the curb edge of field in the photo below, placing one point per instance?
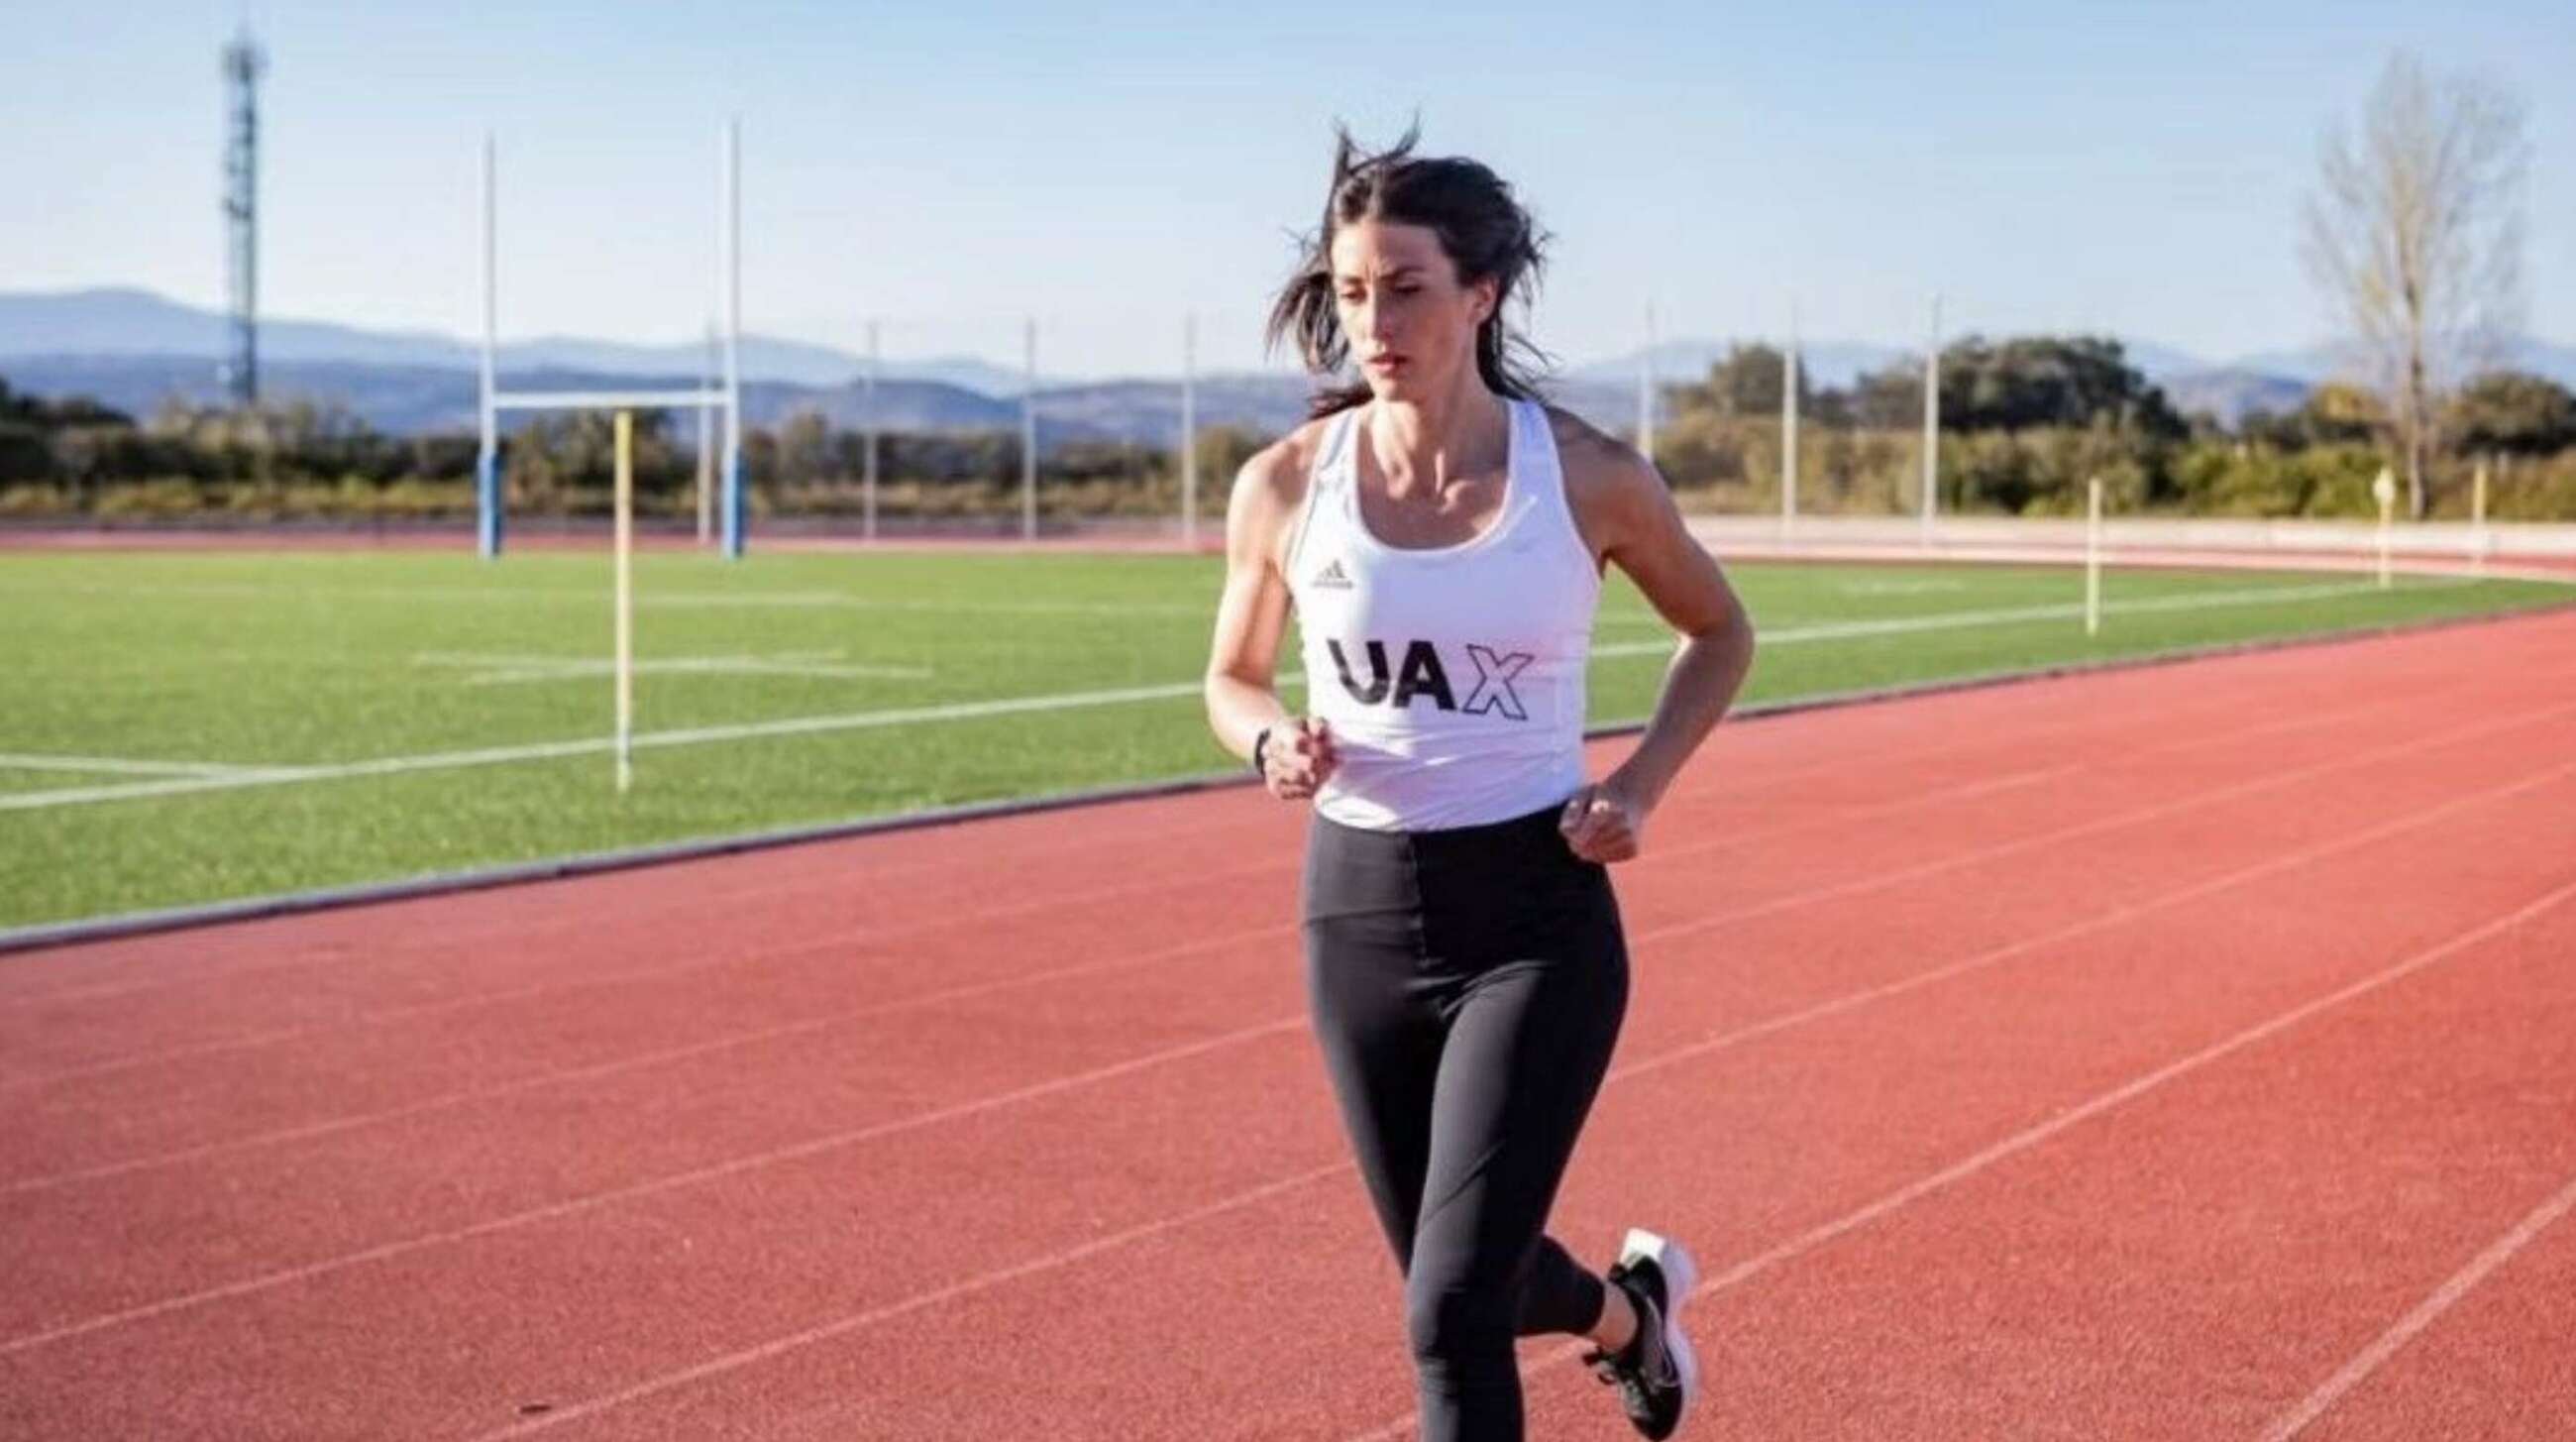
(439, 883)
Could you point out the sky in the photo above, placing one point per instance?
(949, 169)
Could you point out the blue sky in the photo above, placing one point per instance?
(953, 167)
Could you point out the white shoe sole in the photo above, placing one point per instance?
(1680, 1275)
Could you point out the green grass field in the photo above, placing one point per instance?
(184, 728)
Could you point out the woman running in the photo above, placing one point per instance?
(1441, 536)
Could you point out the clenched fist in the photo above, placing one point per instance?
(1601, 824)
(1298, 757)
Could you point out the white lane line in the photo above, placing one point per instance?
(817, 1145)
(2461, 1283)
(496, 668)
(122, 765)
(1064, 701)
(919, 1001)
(2022, 1141)
(1804, 1242)
(734, 1361)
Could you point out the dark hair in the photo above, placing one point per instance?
(1484, 231)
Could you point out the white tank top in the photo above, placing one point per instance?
(1452, 677)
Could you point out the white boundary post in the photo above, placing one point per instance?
(2479, 541)
(730, 251)
(868, 445)
(1932, 425)
(487, 460)
(1789, 428)
(1029, 433)
(707, 443)
(625, 600)
(2384, 488)
(2093, 556)
(1189, 432)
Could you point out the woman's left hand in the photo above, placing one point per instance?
(1602, 823)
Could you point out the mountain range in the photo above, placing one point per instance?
(131, 349)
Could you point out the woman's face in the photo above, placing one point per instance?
(1411, 324)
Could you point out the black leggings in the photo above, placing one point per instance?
(1467, 987)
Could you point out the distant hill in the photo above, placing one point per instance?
(1827, 363)
(2318, 364)
(2231, 394)
(130, 348)
(128, 322)
(406, 400)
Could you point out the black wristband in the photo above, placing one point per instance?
(1260, 742)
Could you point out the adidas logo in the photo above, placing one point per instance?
(1332, 577)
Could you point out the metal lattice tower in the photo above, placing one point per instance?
(243, 62)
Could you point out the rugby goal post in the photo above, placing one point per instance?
(724, 394)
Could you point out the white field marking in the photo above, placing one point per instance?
(2368, 1360)
(2052, 611)
(776, 1346)
(501, 668)
(1893, 587)
(2024, 1140)
(121, 765)
(830, 600)
(1065, 701)
(669, 600)
(602, 745)
(817, 1145)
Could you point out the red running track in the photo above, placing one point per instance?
(2177, 1052)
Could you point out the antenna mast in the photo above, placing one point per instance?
(243, 63)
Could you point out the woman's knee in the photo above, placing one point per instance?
(1460, 1324)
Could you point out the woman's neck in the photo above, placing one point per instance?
(1423, 445)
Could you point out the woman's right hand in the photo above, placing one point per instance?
(1298, 757)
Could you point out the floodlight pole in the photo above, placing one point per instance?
(1190, 432)
(1932, 425)
(1789, 428)
(707, 441)
(1029, 433)
(868, 434)
(487, 459)
(730, 237)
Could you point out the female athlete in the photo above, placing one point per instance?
(1441, 536)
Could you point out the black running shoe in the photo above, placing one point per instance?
(1655, 1373)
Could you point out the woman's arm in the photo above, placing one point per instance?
(1251, 618)
(1627, 515)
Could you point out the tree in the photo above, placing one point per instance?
(2019, 384)
(1746, 383)
(2046, 380)
(2414, 234)
(2513, 411)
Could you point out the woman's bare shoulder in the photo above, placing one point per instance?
(1272, 484)
(1286, 462)
(1606, 481)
